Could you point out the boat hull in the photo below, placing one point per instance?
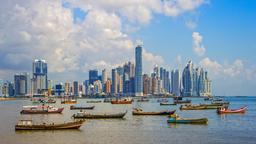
(166, 104)
(121, 102)
(41, 111)
(80, 108)
(99, 116)
(153, 113)
(188, 121)
(237, 111)
(70, 125)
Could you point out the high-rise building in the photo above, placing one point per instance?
(114, 82)
(104, 76)
(39, 76)
(146, 84)
(93, 76)
(1, 87)
(187, 80)
(67, 88)
(22, 84)
(138, 71)
(108, 86)
(176, 83)
(75, 88)
(59, 89)
(11, 89)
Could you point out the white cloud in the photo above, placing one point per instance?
(198, 47)
(191, 24)
(234, 69)
(45, 29)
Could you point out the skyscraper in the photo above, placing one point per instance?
(138, 71)
(22, 84)
(40, 76)
(187, 80)
(75, 88)
(104, 76)
(176, 83)
(93, 76)
(114, 82)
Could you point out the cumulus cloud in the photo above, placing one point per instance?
(46, 29)
(198, 47)
(233, 69)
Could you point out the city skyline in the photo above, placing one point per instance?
(74, 38)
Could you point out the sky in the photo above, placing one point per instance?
(75, 36)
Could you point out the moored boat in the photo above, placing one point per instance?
(51, 101)
(162, 100)
(225, 110)
(69, 102)
(182, 101)
(41, 110)
(74, 107)
(166, 103)
(29, 125)
(143, 99)
(124, 101)
(192, 107)
(85, 115)
(94, 101)
(176, 119)
(220, 102)
(137, 111)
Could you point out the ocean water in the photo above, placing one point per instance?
(221, 129)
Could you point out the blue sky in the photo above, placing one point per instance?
(75, 36)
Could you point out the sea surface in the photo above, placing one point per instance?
(221, 129)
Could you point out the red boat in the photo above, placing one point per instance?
(225, 110)
(41, 110)
(124, 101)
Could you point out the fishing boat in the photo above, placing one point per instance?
(220, 102)
(166, 104)
(107, 100)
(94, 101)
(163, 100)
(182, 101)
(212, 106)
(138, 111)
(29, 125)
(85, 115)
(177, 98)
(176, 119)
(51, 101)
(74, 107)
(68, 100)
(41, 110)
(225, 110)
(217, 99)
(143, 99)
(192, 107)
(123, 101)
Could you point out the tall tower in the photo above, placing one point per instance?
(175, 76)
(40, 76)
(114, 81)
(138, 71)
(187, 80)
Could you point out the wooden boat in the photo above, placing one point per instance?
(165, 104)
(73, 107)
(212, 106)
(107, 100)
(208, 98)
(124, 101)
(162, 100)
(225, 110)
(182, 101)
(177, 98)
(192, 107)
(84, 115)
(141, 112)
(220, 102)
(177, 119)
(41, 110)
(29, 125)
(217, 99)
(97, 101)
(51, 101)
(69, 102)
(143, 100)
